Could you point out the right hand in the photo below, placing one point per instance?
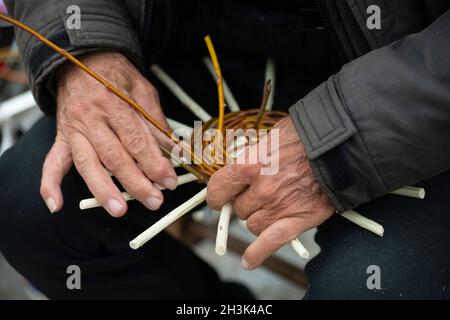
(98, 131)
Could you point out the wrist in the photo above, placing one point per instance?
(90, 59)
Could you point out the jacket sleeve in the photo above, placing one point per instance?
(383, 121)
(105, 25)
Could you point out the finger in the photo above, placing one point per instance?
(56, 165)
(272, 239)
(96, 177)
(139, 142)
(112, 154)
(259, 221)
(228, 182)
(247, 203)
(147, 97)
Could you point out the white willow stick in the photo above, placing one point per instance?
(412, 192)
(364, 222)
(91, 203)
(222, 229)
(229, 97)
(168, 219)
(94, 203)
(270, 74)
(300, 249)
(180, 93)
(242, 223)
(174, 124)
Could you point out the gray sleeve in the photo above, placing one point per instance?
(383, 121)
(105, 25)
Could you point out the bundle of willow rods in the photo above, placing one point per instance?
(245, 119)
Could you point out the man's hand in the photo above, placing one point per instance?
(97, 131)
(277, 207)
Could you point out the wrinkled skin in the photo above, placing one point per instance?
(277, 207)
(98, 131)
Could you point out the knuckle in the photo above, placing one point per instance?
(212, 197)
(110, 157)
(239, 209)
(77, 111)
(104, 97)
(275, 235)
(135, 142)
(140, 190)
(159, 168)
(82, 160)
(120, 120)
(253, 226)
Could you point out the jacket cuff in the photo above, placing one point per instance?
(98, 33)
(337, 154)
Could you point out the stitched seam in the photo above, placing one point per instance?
(30, 38)
(305, 131)
(101, 14)
(343, 126)
(326, 111)
(328, 116)
(321, 138)
(104, 18)
(344, 104)
(107, 36)
(341, 119)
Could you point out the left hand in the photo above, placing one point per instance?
(277, 207)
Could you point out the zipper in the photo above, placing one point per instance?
(331, 30)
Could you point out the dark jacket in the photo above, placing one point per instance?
(380, 123)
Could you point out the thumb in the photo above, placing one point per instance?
(56, 165)
(228, 182)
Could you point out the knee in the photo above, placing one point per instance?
(20, 200)
(35, 242)
(24, 220)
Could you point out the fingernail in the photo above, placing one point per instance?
(153, 203)
(170, 183)
(51, 204)
(244, 264)
(114, 207)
